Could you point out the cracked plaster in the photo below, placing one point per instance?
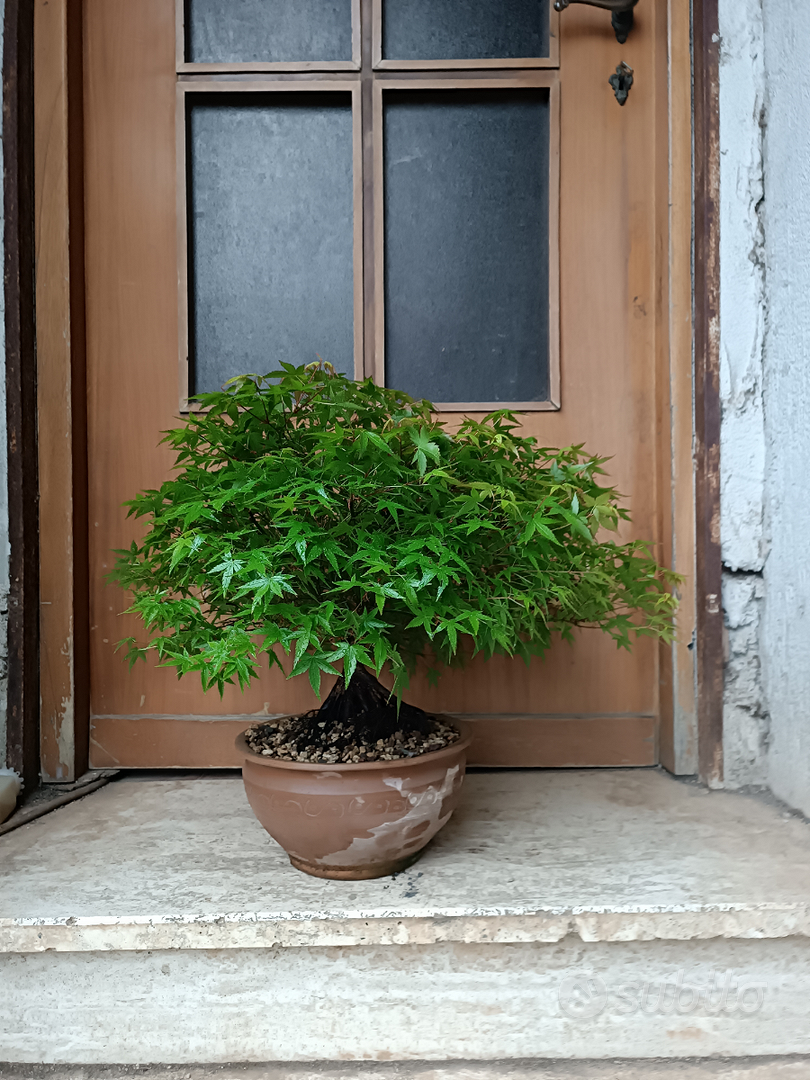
(746, 720)
(765, 392)
(743, 282)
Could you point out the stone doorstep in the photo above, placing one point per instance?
(534, 856)
(155, 921)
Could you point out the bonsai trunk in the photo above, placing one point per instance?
(364, 708)
(368, 706)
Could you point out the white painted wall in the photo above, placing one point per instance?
(786, 612)
(765, 380)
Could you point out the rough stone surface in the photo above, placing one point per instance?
(528, 856)
(401, 1002)
(569, 915)
(746, 722)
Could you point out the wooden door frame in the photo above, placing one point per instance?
(687, 361)
(22, 712)
(708, 582)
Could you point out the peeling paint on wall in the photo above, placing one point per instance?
(743, 341)
(746, 722)
(742, 283)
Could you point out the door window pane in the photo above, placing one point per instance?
(465, 29)
(466, 244)
(270, 233)
(250, 31)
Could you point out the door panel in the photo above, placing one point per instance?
(291, 155)
(466, 212)
(586, 704)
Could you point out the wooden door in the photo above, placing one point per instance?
(586, 704)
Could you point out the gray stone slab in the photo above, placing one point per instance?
(444, 1001)
(623, 855)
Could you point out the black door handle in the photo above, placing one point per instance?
(622, 18)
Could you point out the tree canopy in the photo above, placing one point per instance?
(343, 522)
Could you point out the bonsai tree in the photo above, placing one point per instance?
(341, 523)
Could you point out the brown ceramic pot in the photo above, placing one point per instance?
(355, 821)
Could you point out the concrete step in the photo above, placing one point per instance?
(560, 915)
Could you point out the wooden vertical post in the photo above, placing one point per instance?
(707, 388)
(61, 392)
(22, 731)
(679, 738)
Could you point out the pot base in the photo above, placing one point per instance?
(357, 873)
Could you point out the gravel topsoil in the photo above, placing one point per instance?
(342, 743)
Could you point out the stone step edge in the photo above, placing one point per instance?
(789, 1067)
(257, 930)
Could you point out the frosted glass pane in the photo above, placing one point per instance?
(271, 234)
(466, 244)
(465, 29)
(243, 31)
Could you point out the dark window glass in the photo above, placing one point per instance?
(465, 29)
(244, 31)
(466, 244)
(271, 236)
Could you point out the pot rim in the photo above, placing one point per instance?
(360, 766)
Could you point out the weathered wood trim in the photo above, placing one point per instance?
(676, 501)
(516, 740)
(81, 522)
(22, 747)
(61, 391)
(709, 641)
